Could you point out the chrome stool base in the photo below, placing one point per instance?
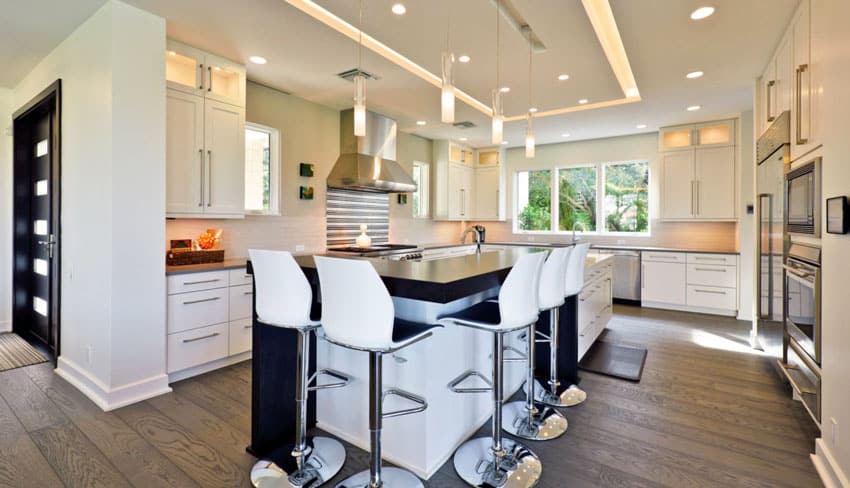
(323, 463)
(570, 397)
(475, 463)
(545, 424)
(390, 478)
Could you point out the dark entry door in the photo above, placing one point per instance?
(36, 220)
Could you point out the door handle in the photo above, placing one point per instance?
(201, 154)
(209, 178)
(49, 244)
(692, 198)
(204, 300)
(209, 70)
(800, 70)
(697, 196)
(201, 80)
(770, 117)
(210, 336)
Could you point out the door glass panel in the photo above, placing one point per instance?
(181, 69)
(40, 266)
(677, 138)
(40, 306)
(224, 82)
(41, 227)
(40, 188)
(41, 148)
(715, 134)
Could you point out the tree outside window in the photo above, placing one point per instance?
(577, 198)
(627, 197)
(534, 200)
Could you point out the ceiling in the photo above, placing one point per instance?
(661, 41)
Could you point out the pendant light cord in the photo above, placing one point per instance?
(529, 70)
(360, 40)
(498, 14)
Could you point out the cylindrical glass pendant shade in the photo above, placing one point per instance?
(529, 139)
(447, 100)
(498, 118)
(359, 106)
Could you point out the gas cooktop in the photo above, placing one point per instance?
(376, 250)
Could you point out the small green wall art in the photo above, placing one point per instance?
(306, 193)
(402, 198)
(306, 170)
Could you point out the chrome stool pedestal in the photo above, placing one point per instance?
(553, 396)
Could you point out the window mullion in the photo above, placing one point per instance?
(600, 199)
(554, 203)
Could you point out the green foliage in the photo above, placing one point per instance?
(627, 197)
(577, 198)
(537, 214)
(266, 177)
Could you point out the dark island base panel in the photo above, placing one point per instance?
(567, 345)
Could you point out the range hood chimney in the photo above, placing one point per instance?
(369, 163)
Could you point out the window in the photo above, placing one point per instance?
(627, 197)
(262, 170)
(534, 200)
(596, 198)
(422, 178)
(577, 198)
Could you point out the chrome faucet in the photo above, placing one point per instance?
(477, 234)
(583, 229)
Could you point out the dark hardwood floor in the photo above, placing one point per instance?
(707, 413)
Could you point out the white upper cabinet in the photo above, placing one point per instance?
(191, 70)
(767, 97)
(184, 153)
(225, 80)
(803, 130)
(715, 176)
(469, 183)
(677, 169)
(720, 133)
(184, 68)
(488, 193)
(784, 80)
(224, 136)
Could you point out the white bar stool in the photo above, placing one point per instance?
(531, 419)
(358, 313)
(497, 462)
(284, 299)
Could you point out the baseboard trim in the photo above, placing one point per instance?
(686, 308)
(5, 326)
(111, 398)
(827, 467)
(207, 367)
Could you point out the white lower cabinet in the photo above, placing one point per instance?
(209, 318)
(595, 306)
(696, 282)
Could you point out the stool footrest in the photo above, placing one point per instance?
(521, 356)
(423, 404)
(343, 380)
(453, 385)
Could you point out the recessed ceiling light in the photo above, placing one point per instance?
(505, 89)
(641, 126)
(172, 53)
(702, 13)
(532, 109)
(693, 74)
(504, 142)
(693, 108)
(217, 68)
(565, 134)
(582, 101)
(464, 139)
(399, 9)
(258, 60)
(463, 58)
(563, 77)
(421, 122)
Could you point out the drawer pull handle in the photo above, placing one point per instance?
(201, 338)
(187, 283)
(192, 302)
(721, 270)
(703, 258)
(248, 327)
(248, 293)
(714, 292)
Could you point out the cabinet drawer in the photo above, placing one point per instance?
(195, 347)
(240, 336)
(208, 280)
(716, 259)
(712, 297)
(240, 277)
(197, 309)
(241, 302)
(711, 275)
(664, 257)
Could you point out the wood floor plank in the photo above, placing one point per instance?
(133, 456)
(221, 406)
(194, 455)
(34, 410)
(21, 463)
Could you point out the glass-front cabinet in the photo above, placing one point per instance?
(191, 70)
(719, 133)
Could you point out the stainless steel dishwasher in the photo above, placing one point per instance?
(626, 275)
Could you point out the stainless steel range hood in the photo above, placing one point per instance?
(369, 163)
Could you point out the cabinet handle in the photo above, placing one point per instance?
(214, 334)
(661, 256)
(248, 293)
(800, 70)
(497, 202)
(721, 270)
(703, 258)
(696, 198)
(209, 70)
(209, 178)
(248, 326)
(192, 302)
(201, 154)
(713, 292)
(642, 276)
(692, 198)
(770, 117)
(462, 201)
(201, 81)
(186, 283)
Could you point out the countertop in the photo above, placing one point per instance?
(593, 246)
(197, 268)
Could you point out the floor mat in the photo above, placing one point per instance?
(17, 353)
(625, 362)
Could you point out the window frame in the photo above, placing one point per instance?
(424, 193)
(274, 170)
(600, 199)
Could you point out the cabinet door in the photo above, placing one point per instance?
(184, 68)
(802, 136)
(663, 283)
(677, 170)
(225, 81)
(715, 133)
(784, 75)
(467, 208)
(487, 193)
(224, 135)
(715, 183)
(675, 138)
(184, 156)
(455, 187)
(767, 98)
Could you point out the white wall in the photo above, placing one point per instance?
(746, 222)
(712, 235)
(113, 170)
(5, 211)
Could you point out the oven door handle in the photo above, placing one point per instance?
(800, 274)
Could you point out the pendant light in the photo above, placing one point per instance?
(498, 115)
(529, 131)
(447, 99)
(360, 85)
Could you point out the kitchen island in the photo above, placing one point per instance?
(422, 291)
